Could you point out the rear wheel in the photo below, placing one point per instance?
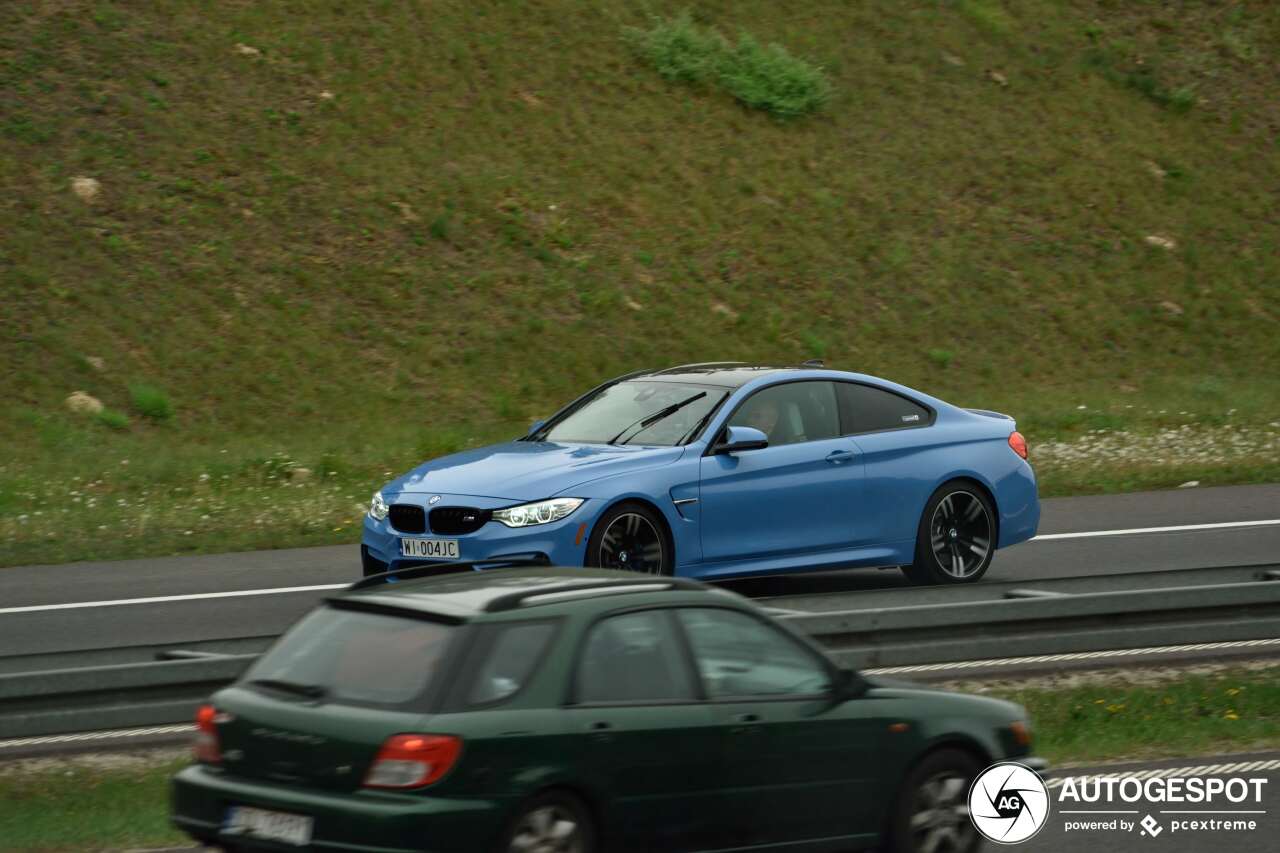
(931, 814)
(956, 537)
(554, 822)
(631, 536)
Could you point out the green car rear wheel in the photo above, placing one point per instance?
(555, 822)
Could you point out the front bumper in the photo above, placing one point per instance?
(563, 542)
(368, 821)
(1036, 763)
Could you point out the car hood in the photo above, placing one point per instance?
(528, 470)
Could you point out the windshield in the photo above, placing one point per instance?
(626, 413)
(354, 657)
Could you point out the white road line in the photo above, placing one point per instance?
(114, 734)
(1088, 534)
(1167, 772)
(160, 599)
(1071, 656)
(199, 596)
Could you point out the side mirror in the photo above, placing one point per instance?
(738, 438)
(534, 427)
(849, 685)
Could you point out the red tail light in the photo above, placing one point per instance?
(205, 744)
(1019, 444)
(413, 761)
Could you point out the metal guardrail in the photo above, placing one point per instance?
(108, 697)
(1050, 624)
(1026, 622)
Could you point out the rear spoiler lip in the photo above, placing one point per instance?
(990, 414)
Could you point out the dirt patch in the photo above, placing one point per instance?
(1146, 676)
(142, 759)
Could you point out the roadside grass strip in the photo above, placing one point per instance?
(1231, 710)
(79, 805)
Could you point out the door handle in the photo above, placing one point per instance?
(600, 726)
(747, 718)
(835, 457)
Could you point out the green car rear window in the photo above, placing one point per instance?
(509, 654)
(358, 657)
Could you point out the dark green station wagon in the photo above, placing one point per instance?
(542, 710)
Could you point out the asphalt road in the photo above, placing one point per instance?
(84, 629)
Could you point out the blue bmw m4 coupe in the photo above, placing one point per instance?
(726, 470)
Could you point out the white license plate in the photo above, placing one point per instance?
(440, 549)
(274, 826)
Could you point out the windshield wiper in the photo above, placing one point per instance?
(649, 420)
(310, 691)
(699, 425)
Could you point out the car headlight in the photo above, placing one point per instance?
(377, 507)
(538, 512)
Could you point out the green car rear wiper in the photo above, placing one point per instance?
(649, 420)
(310, 691)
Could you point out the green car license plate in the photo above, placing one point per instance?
(268, 825)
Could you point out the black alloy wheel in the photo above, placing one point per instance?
(630, 536)
(956, 539)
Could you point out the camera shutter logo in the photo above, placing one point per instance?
(1008, 803)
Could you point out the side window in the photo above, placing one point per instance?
(792, 412)
(867, 409)
(740, 656)
(634, 657)
(512, 652)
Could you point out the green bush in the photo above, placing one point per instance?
(679, 50)
(150, 401)
(763, 77)
(768, 78)
(113, 419)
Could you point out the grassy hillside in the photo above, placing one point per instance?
(345, 236)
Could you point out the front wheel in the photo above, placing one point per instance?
(631, 536)
(931, 814)
(956, 538)
(555, 822)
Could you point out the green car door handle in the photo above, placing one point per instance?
(747, 718)
(600, 726)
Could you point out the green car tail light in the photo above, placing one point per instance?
(206, 747)
(413, 761)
